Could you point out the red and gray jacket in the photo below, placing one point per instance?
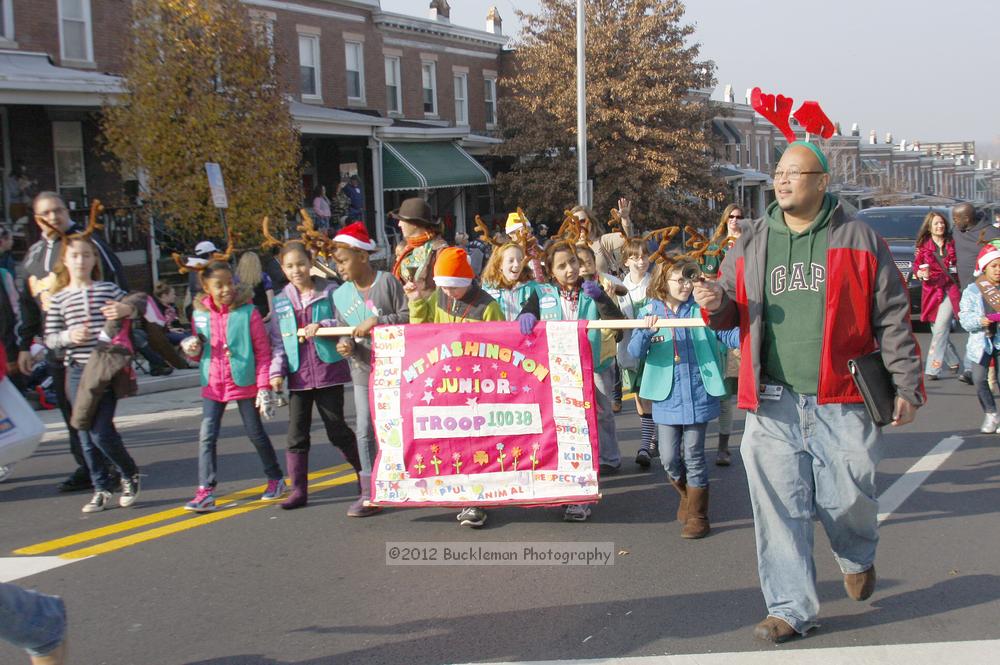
(867, 307)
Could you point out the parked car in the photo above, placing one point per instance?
(899, 226)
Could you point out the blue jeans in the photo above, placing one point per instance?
(804, 459)
(941, 350)
(364, 429)
(30, 620)
(682, 451)
(607, 435)
(211, 418)
(103, 440)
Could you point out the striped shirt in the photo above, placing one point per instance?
(70, 308)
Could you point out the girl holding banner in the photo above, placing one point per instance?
(366, 299)
(567, 299)
(683, 380)
(315, 370)
(455, 300)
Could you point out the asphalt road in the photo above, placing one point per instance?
(264, 586)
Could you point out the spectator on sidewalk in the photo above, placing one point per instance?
(321, 208)
(832, 293)
(352, 190)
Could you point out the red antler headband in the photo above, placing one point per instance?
(778, 108)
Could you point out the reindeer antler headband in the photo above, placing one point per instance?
(778, 108)
(317, 242)
(96, 208)
(186, 267)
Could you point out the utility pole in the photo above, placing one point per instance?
(581, 102)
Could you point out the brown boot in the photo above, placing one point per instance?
(681, 488)
(860, 586)
(774, 630)
(722, 452)
(696, 524)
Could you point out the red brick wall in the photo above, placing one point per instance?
(36, 28)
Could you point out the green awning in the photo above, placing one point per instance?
(429, 165)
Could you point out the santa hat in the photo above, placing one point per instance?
(515, 222)
(990, 252)
(452, 268)
(355, 235)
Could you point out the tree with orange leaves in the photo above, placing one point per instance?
(200, 86)
(648, 135)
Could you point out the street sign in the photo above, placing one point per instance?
(218, 188)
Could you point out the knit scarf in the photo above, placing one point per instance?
(411, 244)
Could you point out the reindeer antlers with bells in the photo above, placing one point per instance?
(42, 288)
(518, 229)
(317, 242)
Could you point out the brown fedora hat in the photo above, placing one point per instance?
(415, 211)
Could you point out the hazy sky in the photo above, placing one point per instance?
(923, 70)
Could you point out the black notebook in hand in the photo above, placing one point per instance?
(875, 385)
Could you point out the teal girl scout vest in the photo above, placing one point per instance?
(521, 293)
(658, 375)
(326, 347)
(550, 310)
(242, 363)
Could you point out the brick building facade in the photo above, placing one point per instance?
(404, 102)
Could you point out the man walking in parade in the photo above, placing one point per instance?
(811, 289)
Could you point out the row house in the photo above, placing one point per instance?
(862, 171)
(409, 104)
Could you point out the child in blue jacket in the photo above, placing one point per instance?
(684, 379)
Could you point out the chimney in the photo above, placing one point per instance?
(888, 138)
(493, 22)
(727, 95)
(902, 145)
(749, 95)
(855, 130)
(989, 163)
(440, 11)
(836, 129)
(872, 137)
(980, 165)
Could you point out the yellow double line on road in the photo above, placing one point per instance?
(193, 522)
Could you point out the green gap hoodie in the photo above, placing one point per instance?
(795, 299)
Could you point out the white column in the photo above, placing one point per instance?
(378, 196)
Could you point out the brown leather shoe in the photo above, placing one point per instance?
(860, 586)
(774, 630)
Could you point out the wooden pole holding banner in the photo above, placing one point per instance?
(612, 324)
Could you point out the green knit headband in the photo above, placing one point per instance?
(825, 165)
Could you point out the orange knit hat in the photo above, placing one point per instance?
(452, 268)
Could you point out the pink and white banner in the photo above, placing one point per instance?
(476, 414)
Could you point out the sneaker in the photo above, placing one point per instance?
(99, 502)
(577, 513)
(608, 470)
(990, 423)
(965, 377)
(161, 370)
(5, 472)
(642, 458)
(275, 490)
(130, 491)
(203, 501)
(474, 517)
(616, 406)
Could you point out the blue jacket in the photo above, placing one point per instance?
(689, 402)
(971, 311)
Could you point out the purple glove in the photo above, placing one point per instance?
(994, 317)
(592, 290)
(527, 322)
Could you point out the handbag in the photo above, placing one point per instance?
(20, 429)
(875, 384)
